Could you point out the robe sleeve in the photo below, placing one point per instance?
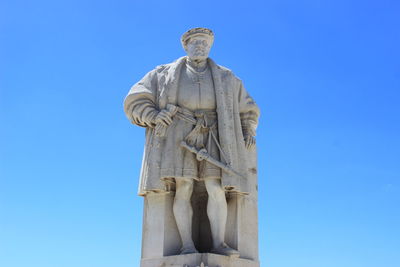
(140, 103)
(249, 112)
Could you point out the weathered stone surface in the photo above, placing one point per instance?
(199, 171)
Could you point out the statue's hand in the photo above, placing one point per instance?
(163, 118)
(250, 142)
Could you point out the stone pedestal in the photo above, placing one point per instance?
(161, 242)
(160, 236)
(196, 260)
(242, 222)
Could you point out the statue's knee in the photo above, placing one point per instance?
(216, 193)
(184, 190)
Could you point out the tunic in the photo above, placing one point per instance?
(195, 94)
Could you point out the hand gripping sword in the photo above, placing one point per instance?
(203, 155)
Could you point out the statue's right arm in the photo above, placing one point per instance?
(140, 104)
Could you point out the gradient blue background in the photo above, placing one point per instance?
(326, 75)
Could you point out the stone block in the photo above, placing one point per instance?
(198, 260)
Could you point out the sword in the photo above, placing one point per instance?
(203, 155)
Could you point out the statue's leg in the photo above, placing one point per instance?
(216, 210)
(217, 213)
(183, 213)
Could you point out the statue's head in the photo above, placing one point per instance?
(197, 43)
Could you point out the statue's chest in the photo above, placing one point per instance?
(196, 90)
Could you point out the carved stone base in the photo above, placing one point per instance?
(198, 260)
(161, 242)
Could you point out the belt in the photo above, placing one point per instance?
(199, 119)
(194, 116)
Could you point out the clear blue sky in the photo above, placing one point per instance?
(326, 75)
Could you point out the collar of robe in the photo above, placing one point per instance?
(190, 65)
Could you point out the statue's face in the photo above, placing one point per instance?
(198, 47)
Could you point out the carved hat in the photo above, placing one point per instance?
(195, 32)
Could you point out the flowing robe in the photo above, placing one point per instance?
(237, 116)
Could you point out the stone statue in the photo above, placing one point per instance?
(200, 126)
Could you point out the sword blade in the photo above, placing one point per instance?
(207, 157)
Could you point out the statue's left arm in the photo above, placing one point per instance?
(249, 113)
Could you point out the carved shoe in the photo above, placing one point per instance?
(188, 250)
(224, 249)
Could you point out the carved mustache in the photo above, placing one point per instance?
(199, 50)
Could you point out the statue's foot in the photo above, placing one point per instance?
(188, 250)
(224, 249)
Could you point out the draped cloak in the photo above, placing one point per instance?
(237, 115)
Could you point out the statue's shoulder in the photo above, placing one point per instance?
(227, 73)
(162, 67)
(165, 67)
(224, 69)
(159, 70)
